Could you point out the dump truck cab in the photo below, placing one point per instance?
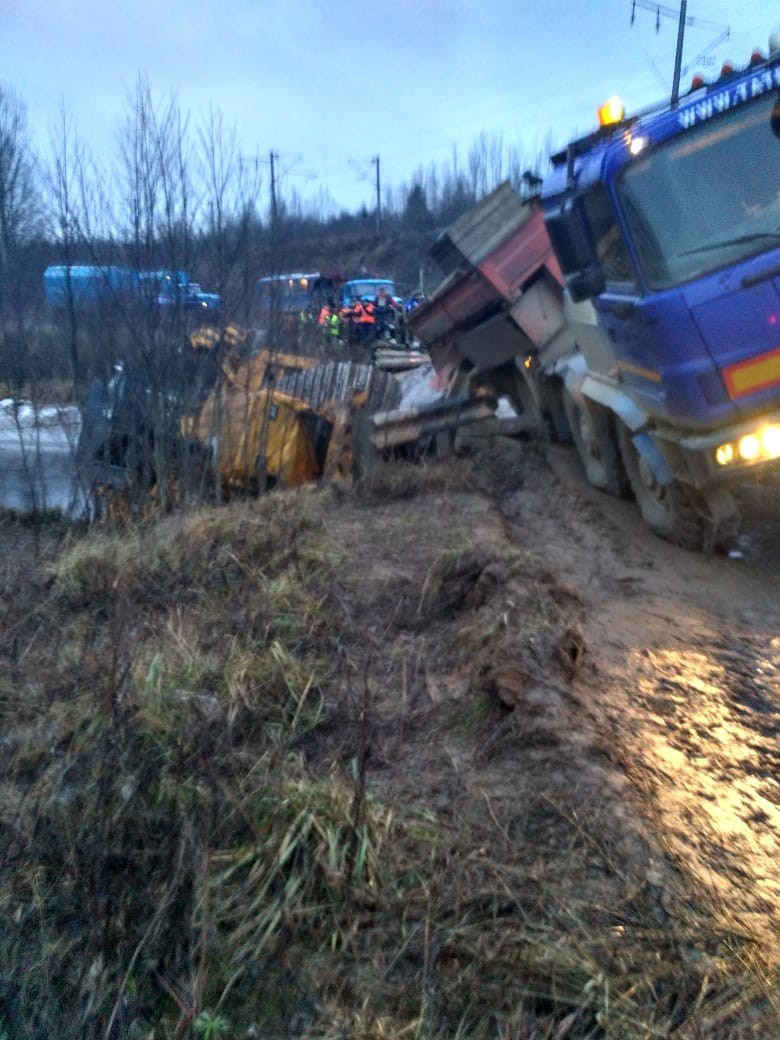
(671, 221)
(668, 223)
(174, 289)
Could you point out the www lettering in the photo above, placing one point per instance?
(708, 107)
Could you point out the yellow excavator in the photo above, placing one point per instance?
(268, 418)
(272, 419)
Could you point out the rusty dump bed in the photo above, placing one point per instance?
(491, 258)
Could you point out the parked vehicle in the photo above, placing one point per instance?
(88, 287)
(297, 291)
(169, 289)
(633, 303)
(291, 293)
(193, 297)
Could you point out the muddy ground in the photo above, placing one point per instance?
(683, 670)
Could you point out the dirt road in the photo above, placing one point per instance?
(683, 669)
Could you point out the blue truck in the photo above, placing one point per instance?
(644, 324)
(90, 287)
(174, 289)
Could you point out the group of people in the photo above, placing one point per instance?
(361, 321)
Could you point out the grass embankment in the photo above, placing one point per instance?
(261, 777)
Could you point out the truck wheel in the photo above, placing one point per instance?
(596, 445)
(667, 509)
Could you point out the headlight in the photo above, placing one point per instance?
(749, 447)
(724, 454)
(759, 446)
(770, 441)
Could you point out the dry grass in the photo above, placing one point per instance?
(258, 781)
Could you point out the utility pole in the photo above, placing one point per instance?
(678, 55)
(683, 20)
(275, 315)
(271, 157)
(251, 253)
(272, 237)
(375, 161)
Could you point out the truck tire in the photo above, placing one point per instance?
(594, 438)
(667, 509)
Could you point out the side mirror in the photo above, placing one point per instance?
(584, 285)
(568, 231)
(571, 239)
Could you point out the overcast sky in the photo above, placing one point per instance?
(330, 85)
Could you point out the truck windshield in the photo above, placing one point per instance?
(705, 199)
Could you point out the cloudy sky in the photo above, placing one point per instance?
(330, 85)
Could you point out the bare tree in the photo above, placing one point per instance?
(68, 205)
(19, 221)
(19, 205)
(155, 207)
(231, 187)
(154, 183)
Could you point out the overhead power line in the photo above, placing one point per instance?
(671, 12)
(681, 14)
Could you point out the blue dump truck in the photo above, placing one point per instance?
(631, 302)
(92, 287)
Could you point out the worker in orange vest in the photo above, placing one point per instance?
(366, 320)
(357, 314)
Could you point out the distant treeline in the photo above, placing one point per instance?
(180, 196)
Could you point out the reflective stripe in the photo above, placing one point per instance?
(757, 374)
(638, 370)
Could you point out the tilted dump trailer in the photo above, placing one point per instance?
(500, 316)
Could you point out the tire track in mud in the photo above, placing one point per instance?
(683, 670)
(708, 759)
